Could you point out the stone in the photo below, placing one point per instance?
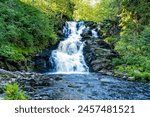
(59, 33)
(104, 80)
(58, 78)
(124, 77)
(109, 73)
(137, 71)
(131, 78)
(98, 54)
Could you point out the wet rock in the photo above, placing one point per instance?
(131, 78)
(103, 44)
(42, 60)
(104, 80)
(98, 55)
(73, 86)
(60, 33)
(7, 73)
(58, 78)
(124, 77)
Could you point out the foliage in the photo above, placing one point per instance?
(56, 10)
(133, 45)
(24, 30)
(104, 9)
(14, 93)
(133, 41)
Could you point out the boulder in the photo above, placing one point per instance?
(98, 53)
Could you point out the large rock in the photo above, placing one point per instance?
(14, 65)
(98, 53)
(42, 60)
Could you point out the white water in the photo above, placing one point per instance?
(94, 34)
(68, 57)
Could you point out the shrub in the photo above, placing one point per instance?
(14, 93)
(117, 61)
(24, 29)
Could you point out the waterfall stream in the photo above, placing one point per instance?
(94, 34)
(68, 57)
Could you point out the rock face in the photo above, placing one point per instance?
(14, 65)
(42, 60)
(98, 54)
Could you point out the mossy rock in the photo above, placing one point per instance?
(73, 86)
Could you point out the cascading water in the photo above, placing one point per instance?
(94, 34)
(68, 57)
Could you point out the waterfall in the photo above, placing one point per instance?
(94, 34)
(68, 57)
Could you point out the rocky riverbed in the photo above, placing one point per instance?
(92, 86)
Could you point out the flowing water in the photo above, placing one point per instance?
(68, 57)
(91, 86)
(94, 34)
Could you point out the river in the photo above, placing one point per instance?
(92, 86)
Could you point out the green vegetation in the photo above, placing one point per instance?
(28, 27)
(14, 93)
(85, 10)
(55, 10)
(133, 41)
(23, 30)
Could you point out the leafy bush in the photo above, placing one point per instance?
(14, 93)
(145, 41)
(117, 61)
(140, 76)
(24, 29)
(134, 45)
(10, 52)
